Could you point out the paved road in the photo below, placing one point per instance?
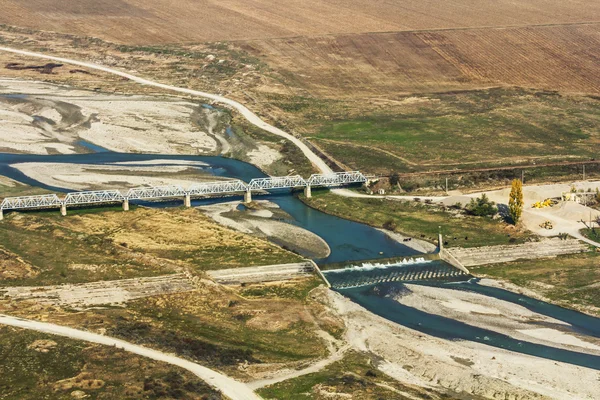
(249, 115)
(229, 387)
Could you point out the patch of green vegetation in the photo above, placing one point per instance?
(288, 290)
(442, 131)
(591, 233)
(355, 375)
(492, 124)
(568, 280)
(182, 343)
(419, 220)
(38, 366)
(51, 248)
(93, 244)
(19, 189)
(221, 339)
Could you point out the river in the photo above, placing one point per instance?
(350, 242)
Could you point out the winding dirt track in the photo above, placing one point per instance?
(229, 387)
(249, 115)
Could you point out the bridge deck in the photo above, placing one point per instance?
(169, 192)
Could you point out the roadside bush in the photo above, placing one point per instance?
(395, 179)
(482, 207)
(390, 225)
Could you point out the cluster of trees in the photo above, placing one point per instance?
(484, 207)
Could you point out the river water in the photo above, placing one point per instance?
(380, 299)
(349, 242)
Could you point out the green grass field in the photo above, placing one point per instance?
(419, 220)
(570, 281)
(489, 127)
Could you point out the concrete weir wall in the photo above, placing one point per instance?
(266, 273)
(469, 257)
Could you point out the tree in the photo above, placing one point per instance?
(515, 201)
(482, 206)
(395, 179)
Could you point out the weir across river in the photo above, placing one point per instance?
(201, 189)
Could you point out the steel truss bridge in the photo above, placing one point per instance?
(201, 189)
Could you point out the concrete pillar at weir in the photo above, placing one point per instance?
(187, 201)
(307, 192)
(126, 205)
(248, 196)
(63, 210)
(1, 214)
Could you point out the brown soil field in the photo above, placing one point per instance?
(162, 21)
(564, 58)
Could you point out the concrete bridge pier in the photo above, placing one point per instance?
(1, 214)
(248, 197)
(187, 202)
(126, 205)
(63, 210)
(307, 192)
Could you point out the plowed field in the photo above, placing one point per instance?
(164, 21)
(565, 58)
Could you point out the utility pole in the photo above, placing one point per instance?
(584, 172)
(446, 185)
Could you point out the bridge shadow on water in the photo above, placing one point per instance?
(379, 289)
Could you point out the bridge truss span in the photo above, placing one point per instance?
(336, 179)
(31, 202)
(94, 197)
(208, 188)
(277, 182)
(155, 192)
(175, 191)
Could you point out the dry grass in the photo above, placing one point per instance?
(107, 245)
(160, 21)
(40, 366)
(563, 58)
(212, 325)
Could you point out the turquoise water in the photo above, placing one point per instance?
(349, 241)
(379, 299)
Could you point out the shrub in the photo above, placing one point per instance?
(395, 179)
(482, 207)
(390, 225)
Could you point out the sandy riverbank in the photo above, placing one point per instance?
(500, 316)
(418, 359)
(265, 220)
(53, 119)
(95, 177)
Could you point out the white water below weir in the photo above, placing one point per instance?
(371, 266)
(412, 269)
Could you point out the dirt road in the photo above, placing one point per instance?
(249, 115)
(229, 387)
